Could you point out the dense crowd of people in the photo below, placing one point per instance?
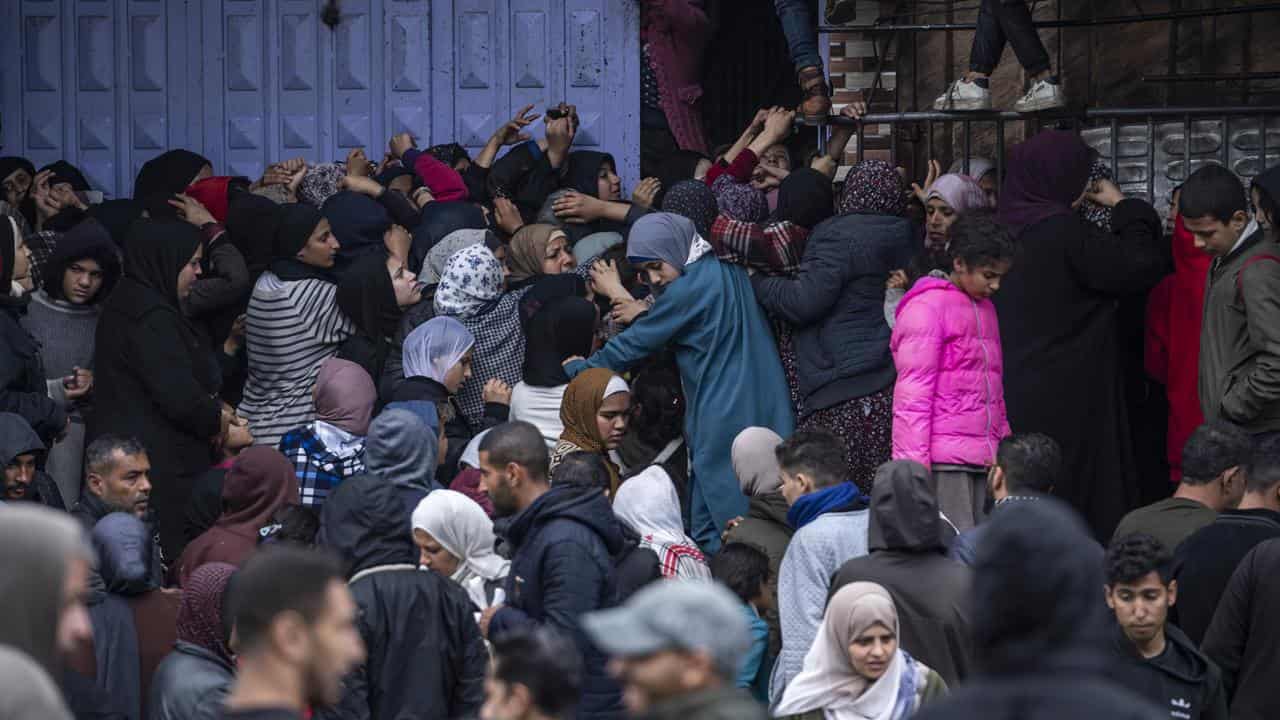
(444, 436)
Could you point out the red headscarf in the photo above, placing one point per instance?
(200, 614)
(213, 195)
(260, 481)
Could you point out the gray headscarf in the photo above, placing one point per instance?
(402, 449)
(26, 690)
(978, 166)
(670, 238)
(36, 545)
(755, 462)
(123, 543)
(438, 256)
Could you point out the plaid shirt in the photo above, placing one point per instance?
(772, 249)
(318, 470)
(678, 562)
(41, 244)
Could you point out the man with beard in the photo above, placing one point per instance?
(296, 637)
(20, 453)
(562, 538)
(117, 479)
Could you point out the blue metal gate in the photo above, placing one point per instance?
(108, 84)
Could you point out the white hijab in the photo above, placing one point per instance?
(434, 347)
(649, 504)
(462, 528)
(828, 680)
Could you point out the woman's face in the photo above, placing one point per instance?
(658, 274)
(16, 186)
(190, 273)
(458, 374)
(21, 267)
(82, 281)
(321, 248)
(608, 184)
(405, 283)
(611, 419)
(433, 556)
(870, 652)
(938, 217)
(558, 259)
(776, 157)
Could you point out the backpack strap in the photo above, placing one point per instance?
(1247, 263)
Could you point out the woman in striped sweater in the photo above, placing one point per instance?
(293, 325)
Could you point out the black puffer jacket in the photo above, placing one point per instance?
(564, 544)
(1040, 632)
(426, 658)
(836, 303)
(1180, 678)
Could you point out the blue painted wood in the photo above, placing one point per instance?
(109, 84)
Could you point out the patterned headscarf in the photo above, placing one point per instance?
(200, 615)
(472, 279)
(873, 187)
(740, 201)
(320, 183)
(694, 200)
(1099, 215)
(439, 255)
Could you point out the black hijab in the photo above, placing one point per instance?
(678, 166)
(65, 172)
(366, 296)
(252, 224)
(359, 223)
(9, 164)
(546, 288)
(164, 176)
(297, 221)
(561, 329)
(116, 216)
(8, 253)
(157, 250)
(90, 239)
(583, 171)
(805, 198)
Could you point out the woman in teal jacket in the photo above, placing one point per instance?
(707, 313)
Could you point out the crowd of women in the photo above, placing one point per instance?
(266, 341)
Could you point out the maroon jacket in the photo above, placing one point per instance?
(676, 32)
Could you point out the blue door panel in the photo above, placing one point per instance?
(109, 84)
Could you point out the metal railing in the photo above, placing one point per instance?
(1103, 127)
(880, 27)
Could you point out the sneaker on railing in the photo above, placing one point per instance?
(964, 95)
(1044, 95)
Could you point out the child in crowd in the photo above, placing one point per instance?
(948, 404)
(744, 569)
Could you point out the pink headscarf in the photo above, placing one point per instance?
(345, 396)
(960, 192)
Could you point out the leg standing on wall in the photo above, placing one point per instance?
(1002, 22)
(802, 39)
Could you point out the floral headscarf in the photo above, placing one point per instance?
(472, 279)
(873, 187)
(320, 183)
(694, 200)
(740, 201)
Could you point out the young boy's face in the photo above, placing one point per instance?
(1214, 236)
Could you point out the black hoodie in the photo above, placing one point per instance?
(1180, 678)
(17, 438)
(561, 568)
(426, 657)
(1040, 627)
(906, 545)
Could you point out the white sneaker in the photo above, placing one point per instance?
(963, 95)
(1044, 95)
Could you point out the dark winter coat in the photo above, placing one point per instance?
(1040, 638)
(1204, 562)
(17, 438)
(765, 526)
(726, 703)
(1239, 379)
(560, 570)
(907, 557)
(1245, 633)
(154, 376)
(190, 684)
(1058, 328)
(836, 303)
(426, 657)
(22, 383)
(1181, 678)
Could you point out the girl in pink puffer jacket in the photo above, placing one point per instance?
(948, 403)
